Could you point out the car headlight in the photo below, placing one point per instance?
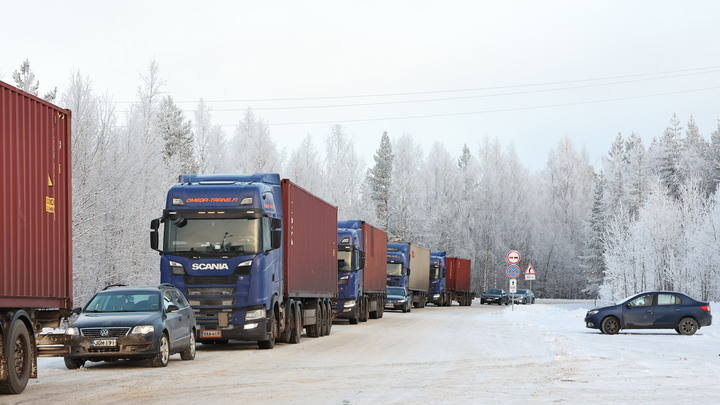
(255, 314)
(72, 331)
(143, 330)
(592, 312)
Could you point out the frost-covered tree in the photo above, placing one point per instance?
(210, 142)
(408, 188)
(665, 156)
(343, 174)
(379, 180)
(592, 261)
(176, 132)
(25, 80)
(253, 149)
(442, 199)
(304, 166)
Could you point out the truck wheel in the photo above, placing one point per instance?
(298, 325)
(381, 307)
(314, 329)
(356, 314)
(329, 313)
(270, 343)
(19, 354)
(322, 323)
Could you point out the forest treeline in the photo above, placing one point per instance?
(648, 218)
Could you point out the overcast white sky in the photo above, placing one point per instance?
(449, 71)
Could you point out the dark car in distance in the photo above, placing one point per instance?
(523, 296)
(133, 323)
(495, 296)
(398, 298)
(652, 310)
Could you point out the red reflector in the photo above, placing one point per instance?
(705, 308)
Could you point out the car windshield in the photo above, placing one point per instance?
(396, 291)
(522, 292)
(124, 302)
(493, 292)
(626, 299)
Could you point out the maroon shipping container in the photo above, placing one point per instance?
(310, 239)
(35, 208)
(375, 272)
(458, 274)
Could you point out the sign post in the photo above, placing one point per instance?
(513, 271)
(530, 274)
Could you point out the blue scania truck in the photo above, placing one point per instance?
(255, 255)
(408, 266)
(438, 293)
(361, 271)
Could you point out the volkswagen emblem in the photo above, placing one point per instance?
(104, 332)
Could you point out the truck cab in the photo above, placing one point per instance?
(438, 294)
(220, 248)
(350, 274)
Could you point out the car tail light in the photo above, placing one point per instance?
(705, 308)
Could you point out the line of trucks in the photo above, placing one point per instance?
(258, 257)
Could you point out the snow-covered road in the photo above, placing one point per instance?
(458, 355)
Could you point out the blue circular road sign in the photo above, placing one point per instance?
(513, 271)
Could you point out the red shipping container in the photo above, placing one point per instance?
(375, 272)
(35, 207)
(458, 274)
(310, 239)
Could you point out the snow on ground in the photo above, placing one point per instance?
(460, 355)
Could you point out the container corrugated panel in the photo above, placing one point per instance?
(35, 206)
(375, 272)
(458, 274)
(419, 268)
(310, 239)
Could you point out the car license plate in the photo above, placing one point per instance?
(210, 333)
(104, 342)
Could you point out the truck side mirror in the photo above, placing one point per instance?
(154, 237)
(362, 260)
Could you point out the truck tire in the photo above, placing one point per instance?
(329, 319)
(298, 326)
(313, 330)
(270, 343)
(365, 310)
(19, 354)
(381, 307)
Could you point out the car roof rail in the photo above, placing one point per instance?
(114, 285)
(167, 285)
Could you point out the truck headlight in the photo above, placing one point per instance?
(349, 304)
(176, 268)
(255, 314)
(143, 330)
(72, 331)
(343, 280)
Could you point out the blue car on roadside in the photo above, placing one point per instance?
(652, 310)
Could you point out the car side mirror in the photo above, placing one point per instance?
(172, 308)
(77, 310)
(628, 305)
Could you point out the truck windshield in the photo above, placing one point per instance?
(214, 236)
(434, 273)
(394, 269)
(345, 264)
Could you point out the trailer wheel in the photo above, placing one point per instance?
(314, 329)
(381, 307)
(19, 354)
(329, 313)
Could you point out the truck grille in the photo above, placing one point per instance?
(209, 280)
(210, 291)
(98, 332)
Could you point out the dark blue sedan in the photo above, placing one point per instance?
(652, 310)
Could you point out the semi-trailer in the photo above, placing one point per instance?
(36, 217)
(438, 293)
(408, 266)
(362, 250)
(255, 255)
(458, 280)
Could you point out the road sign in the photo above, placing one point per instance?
(530, 272)
(513, 257)
(513, 285)
(513, 271)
